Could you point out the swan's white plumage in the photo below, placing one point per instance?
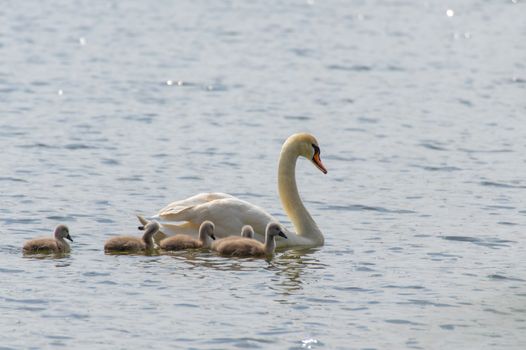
(175, 208)
(230, 214)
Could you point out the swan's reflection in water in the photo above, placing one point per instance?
(291, 268)
(284, 273)
(196, 260)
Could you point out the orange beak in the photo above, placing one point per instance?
(317, 161)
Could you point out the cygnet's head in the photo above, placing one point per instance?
(151, 227)
(62, 231)
(274, 229)
(307, 146)
(207, 229)
(247, 231)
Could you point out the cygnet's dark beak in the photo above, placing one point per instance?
(281, 234)
(141, 228)
(213, 237)
(69, 237)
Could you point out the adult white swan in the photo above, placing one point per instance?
(229, 214)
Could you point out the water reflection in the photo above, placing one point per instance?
(146, 253)
(199, 259)
(63, 259)
(43, 256)
(290, 268)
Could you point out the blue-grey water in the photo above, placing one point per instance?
(113, 108)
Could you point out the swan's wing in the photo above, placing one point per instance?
(201, 198)
(231, 214)
(228, 214)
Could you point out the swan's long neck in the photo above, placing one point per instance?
(303, 223)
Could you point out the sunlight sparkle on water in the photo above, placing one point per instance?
(308, 343)
(450, 13)
(465, 35)
(171, 82)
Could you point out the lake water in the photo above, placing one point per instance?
(108, 109)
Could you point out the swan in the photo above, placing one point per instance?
(55, 244)
(244, 247)
(182, 242)
(133, 244)
(229, 213)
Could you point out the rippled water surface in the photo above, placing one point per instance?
(108, 109)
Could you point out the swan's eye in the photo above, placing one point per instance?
(316, 149)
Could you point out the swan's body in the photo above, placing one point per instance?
(133, 244)
(245, 247)
(55, 244)
(230, 214)
(182, 242)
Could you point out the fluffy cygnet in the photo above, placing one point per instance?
(249, 247)
(181, 242)
(133, 244)
(57, 244)
(247, 232)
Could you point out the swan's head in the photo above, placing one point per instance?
(274, 229)
(247, 231)
(62, 231)
(207, 230)
(307, 146)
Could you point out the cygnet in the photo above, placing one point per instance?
(250, 247)
(55, 244)
(133, 244)
(182, 242)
